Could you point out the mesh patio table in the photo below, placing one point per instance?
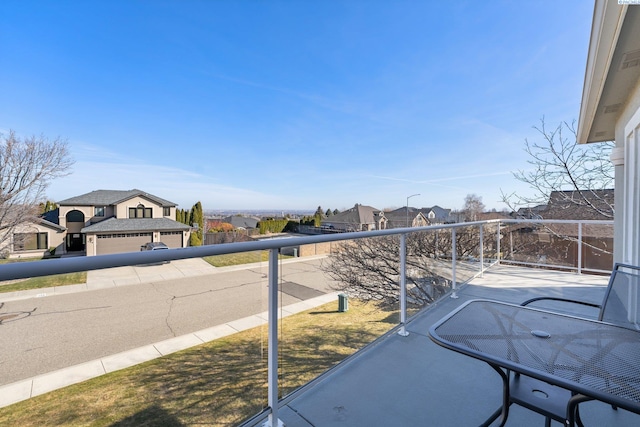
(582, 358)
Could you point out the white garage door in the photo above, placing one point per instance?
(121, 242)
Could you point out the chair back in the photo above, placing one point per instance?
(621, 305)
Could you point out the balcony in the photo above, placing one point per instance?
(404, 379)
(410, 381)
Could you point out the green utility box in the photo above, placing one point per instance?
(343, 303)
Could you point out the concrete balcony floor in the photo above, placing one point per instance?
(410, 381)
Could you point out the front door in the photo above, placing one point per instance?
(75, 239)
(75, 242)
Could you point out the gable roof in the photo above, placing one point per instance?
(398, 218)
(50, 219)
(359, 214)
(134, 224)
(112, 197)
(441, 214)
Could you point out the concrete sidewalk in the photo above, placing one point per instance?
(121, 276)
(25, 389)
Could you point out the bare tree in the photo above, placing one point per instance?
(27, 166)
(369, 268)
(576, 172)
(473, 207)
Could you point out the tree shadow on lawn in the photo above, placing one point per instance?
(151, 416)
(224, 382)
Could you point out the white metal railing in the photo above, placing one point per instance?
(78, 264)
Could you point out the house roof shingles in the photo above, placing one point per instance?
(359, 214)
(135, 224)
(111, 197)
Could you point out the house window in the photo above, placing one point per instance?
(98, 211)
(30, 241)
(166, 211)
(140, 212)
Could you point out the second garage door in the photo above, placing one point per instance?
(173, 239)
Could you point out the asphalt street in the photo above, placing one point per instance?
(40, 335)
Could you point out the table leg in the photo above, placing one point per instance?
(502, 412)
(573, 414)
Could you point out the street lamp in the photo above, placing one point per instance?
(413, 195)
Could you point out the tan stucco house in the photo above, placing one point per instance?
(111, 221)
(610, 110)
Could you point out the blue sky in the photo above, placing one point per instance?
(292, 104)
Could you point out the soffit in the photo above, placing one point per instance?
(615, 53)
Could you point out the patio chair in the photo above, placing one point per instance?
(620, 306)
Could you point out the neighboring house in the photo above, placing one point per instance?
(404, 217)
(242, 222)
(532, 212)
(358, 218)
(592, 204)
(561, 239)
(110, 221)
(438, 215)
(610, 110)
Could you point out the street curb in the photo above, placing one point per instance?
(98, 285)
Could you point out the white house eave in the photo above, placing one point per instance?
(608, 17)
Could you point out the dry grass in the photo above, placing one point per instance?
(219, 383)
(43, 282)
(240, 258)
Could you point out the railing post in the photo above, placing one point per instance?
(403, 285)
(453, 263)
(272, 350)
(498, 245)
(481, 250)
(579, 247)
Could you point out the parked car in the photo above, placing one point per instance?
(153, 246)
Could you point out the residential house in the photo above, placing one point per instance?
(242, 222)
(406, 217)
(530, 212)
(438, 215)
(610, 110)
(562, 239)
(358, 218)
(111, 221)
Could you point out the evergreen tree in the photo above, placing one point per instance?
(47, 206)
(197, 218)
(328, 212)
(336, 211)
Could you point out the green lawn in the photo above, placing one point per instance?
(240, 258)
(219, 383)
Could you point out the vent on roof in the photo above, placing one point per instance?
(630, 59)
(613, 108)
